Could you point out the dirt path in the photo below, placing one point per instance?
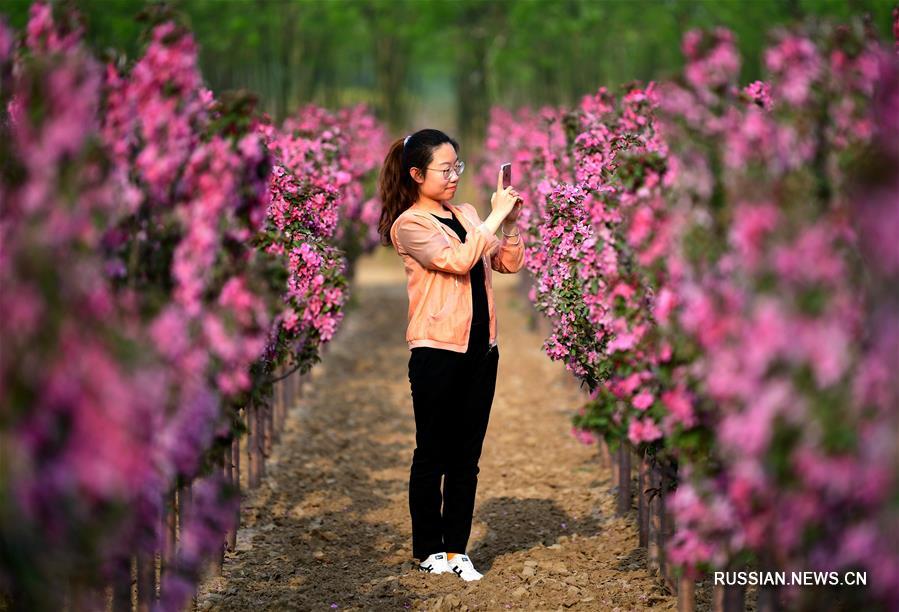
(329, 528)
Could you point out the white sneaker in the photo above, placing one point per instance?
(435, 564)
(462, 566)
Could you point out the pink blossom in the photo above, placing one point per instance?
(584, 436)
(643, 430)
(643, 400)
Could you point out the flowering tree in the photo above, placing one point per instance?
(163, 253)
(778, 304)
(98, 418)
(715, 271)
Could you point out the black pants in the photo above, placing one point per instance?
(451, 396)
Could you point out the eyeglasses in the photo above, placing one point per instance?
(459, 168)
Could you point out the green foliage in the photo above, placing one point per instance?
(600, 417)
(398, 53)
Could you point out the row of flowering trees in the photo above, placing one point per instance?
(164, 252)
(720, 268)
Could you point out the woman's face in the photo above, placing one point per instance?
(431, 183)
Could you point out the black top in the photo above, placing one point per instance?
(481, 314)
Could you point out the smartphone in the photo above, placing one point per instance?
(507, 174)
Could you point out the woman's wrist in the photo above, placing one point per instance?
(516, 231)
(494, 220)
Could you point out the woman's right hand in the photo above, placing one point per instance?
(503, 200)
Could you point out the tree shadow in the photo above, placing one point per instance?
(637, 558)
(519, 524)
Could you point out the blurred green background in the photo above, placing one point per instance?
(443, 63)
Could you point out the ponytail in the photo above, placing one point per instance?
(396, 187)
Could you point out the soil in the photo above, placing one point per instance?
(329, 528)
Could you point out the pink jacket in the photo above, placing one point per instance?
(437, 264)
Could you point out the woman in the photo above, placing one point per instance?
(449, 255)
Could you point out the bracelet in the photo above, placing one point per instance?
(513, 236)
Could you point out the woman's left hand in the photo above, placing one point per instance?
(516, 210)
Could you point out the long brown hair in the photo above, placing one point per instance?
(396, 187)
